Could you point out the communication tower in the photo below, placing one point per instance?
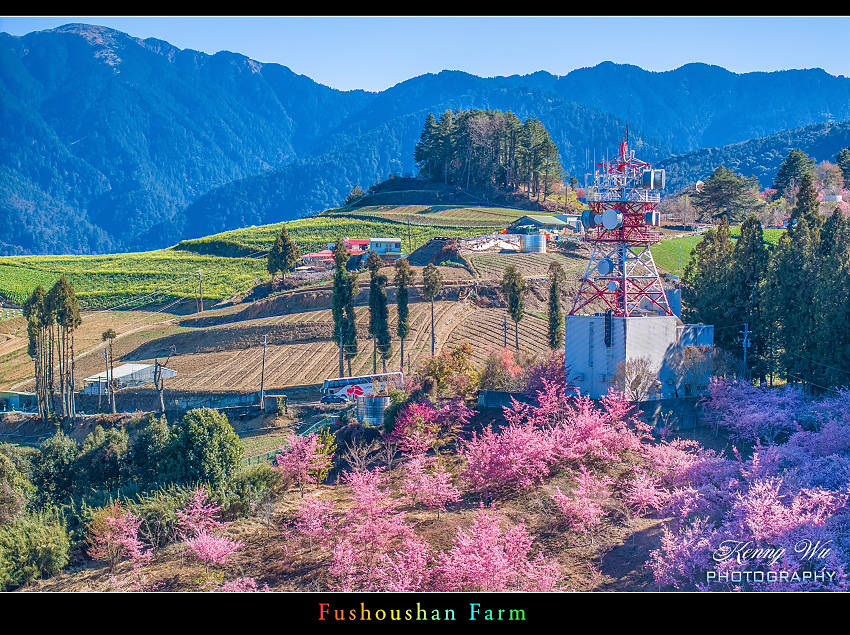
(620, 227)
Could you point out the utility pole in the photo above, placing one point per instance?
(263, 376)
(200, 293)
(505, 327)
(341, 365)
(745, 341)
(99, 383)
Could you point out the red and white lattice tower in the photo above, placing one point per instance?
(619, 226)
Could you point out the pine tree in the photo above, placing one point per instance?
(790, 173)
(403, 279)
(425, 153)
(728, 194)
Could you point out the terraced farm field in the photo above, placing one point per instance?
(491, 266)
(459, 216)
(484, 330)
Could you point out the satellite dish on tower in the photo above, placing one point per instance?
(611, 219)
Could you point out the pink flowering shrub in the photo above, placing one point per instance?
(302, 459)
(488, 558)
(428, 482)
(583, 510)
(211, 549)
(783, 512)
(368, 553)
(752, 414)
(242, 585)
(198, 515)
(114, 535)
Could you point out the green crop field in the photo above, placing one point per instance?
(673, 255)
(314, 233)
(230, 261)
(133, 278)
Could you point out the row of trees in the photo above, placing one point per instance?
(52, 318)
(733, 196)
(514, 286)
(488, 148)
(794, 298)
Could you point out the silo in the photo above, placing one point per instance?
(371, 408)
(533, 243)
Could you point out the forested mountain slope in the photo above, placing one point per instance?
(105, 139)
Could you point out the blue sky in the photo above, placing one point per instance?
(374, 53)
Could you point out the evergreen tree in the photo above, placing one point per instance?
(843, 161)
(379, 326)
(426, 151)
(807, 203)
(555, 314)
(750, 257)
(289, 253)
(728, 194)
(63, 299)
(432, 281)
(342, 306)
(832, 299)
(273, 262)
(514, 287)
(706, 284)
(403, 279)
(789, 294)
(790, 173)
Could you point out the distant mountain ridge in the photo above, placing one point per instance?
(113, 143)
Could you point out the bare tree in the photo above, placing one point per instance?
(694, 366)
(637, 376)
(358, 453)
(158, 379)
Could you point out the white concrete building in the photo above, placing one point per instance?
(593, 360)
(124, 375)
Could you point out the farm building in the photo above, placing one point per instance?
(13, 400)
(546, 223)
(124, 375)
(387, 248)
(319, 257)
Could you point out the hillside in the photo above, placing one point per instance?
(760, 157)
(110, 143)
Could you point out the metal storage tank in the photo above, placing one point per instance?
(371, 408)
(533, 243)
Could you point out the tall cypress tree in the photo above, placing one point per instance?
(379, 326)
(706, 284)
(403, 279)
(514, 287)
(748, 269)
(555, 314)
(345, 319)
(432, 282)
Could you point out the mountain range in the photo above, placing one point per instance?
(114, 143)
